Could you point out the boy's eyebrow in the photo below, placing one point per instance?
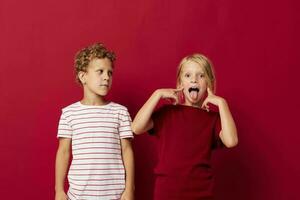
(110, 70)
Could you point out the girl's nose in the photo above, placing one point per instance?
(194, 79)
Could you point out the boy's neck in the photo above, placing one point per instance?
(94, 101)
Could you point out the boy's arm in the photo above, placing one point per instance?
(128, 160)
(61, 167)
(142, 121)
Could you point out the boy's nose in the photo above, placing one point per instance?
(106, 76)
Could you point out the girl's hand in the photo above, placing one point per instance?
(211, 98)
(170, 93)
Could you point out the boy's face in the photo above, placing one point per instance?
(193, 81)
(98, 77)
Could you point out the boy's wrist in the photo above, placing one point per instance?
(130, 188)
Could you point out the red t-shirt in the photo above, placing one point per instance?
(187, 136)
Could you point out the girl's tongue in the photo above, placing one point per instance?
(193, 92)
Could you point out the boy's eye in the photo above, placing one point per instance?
(187, 75)
(110, 73)
(100, 71)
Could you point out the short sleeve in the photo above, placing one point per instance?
(64, 128)
(217, 142)
(125, 124)
(157, 117)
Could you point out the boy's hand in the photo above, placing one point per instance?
(170, 93)
(211, 98)
(127, 195)
(61, 196)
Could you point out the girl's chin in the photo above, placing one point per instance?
(192, 102)
(189, 100)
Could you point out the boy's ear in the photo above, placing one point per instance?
(81, 76)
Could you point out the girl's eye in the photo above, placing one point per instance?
(187, 75)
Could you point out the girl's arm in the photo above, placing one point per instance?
(228, 133)
(61, 167)
(142, 121)
(128, 160)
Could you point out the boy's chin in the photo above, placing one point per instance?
(102, 94)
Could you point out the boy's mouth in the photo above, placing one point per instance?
(194, 91)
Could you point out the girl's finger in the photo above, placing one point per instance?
(207, 109)
(175, 97)
(178, 89)
(204, 104)
(209, 91)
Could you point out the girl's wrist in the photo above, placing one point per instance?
(222, 102)
(157, 93)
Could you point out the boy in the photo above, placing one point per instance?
(98, 133)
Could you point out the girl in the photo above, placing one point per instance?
(187, 131)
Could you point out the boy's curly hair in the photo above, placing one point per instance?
(85, 55)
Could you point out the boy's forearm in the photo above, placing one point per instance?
(61, 167)
(142, 120)
(229, 132)
(128, 159)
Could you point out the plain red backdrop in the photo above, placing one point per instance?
(254, 46)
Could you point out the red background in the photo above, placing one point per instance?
(254, 46)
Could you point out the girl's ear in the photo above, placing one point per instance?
(81, 76)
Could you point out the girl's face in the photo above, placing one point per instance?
(193, 80)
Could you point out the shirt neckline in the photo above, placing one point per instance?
(94, 106)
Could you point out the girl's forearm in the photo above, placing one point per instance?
(229, 132)
(142, 121)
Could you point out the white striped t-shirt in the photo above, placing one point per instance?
(97, 170)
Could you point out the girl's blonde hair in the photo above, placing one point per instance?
(203, 62)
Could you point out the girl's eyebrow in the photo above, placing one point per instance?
(191, 72)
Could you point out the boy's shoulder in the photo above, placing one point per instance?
(71, 107)
(112, 105)
(118, 106)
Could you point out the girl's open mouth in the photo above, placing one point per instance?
(194, 91)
